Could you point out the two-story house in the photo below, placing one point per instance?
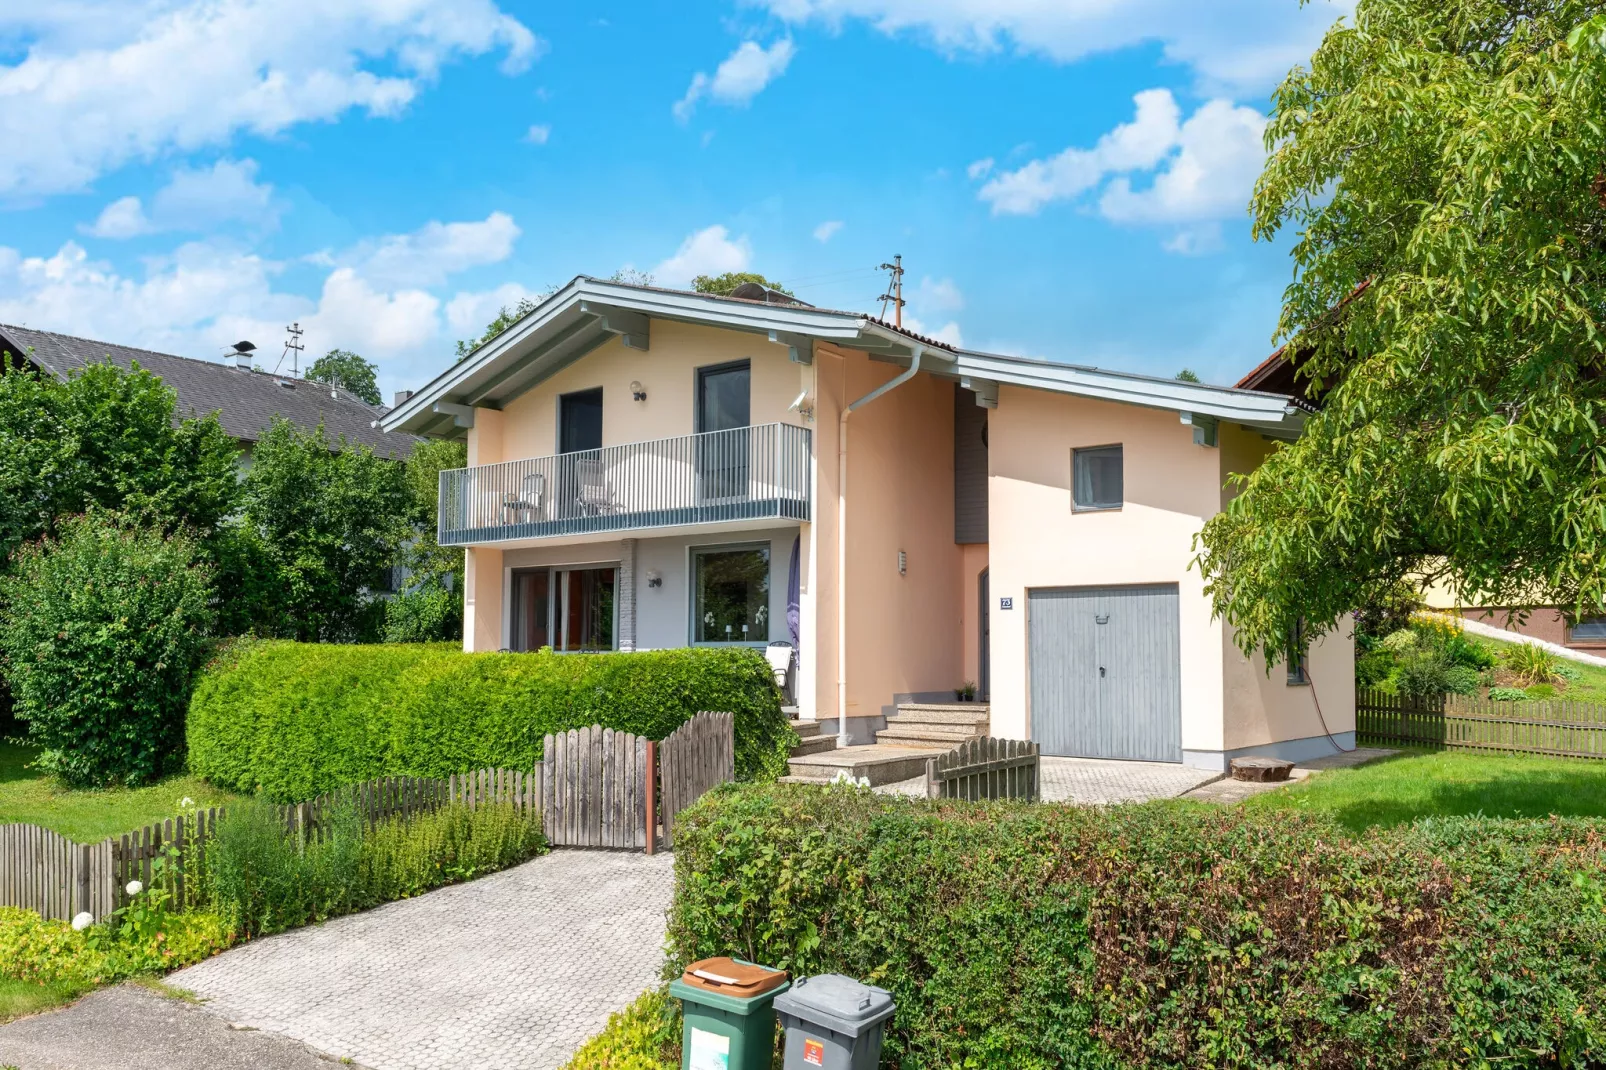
(652, 468)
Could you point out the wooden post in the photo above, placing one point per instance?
(652, 795)
(932, 790)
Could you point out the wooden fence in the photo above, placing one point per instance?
(694, 758)
(1545, 726)
(593, 788)
(986, 768)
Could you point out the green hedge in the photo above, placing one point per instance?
(297, 719)
(1161, 936)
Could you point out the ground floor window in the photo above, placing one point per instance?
(731, 595)
(568, 609)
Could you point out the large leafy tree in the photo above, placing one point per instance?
(724, 284)
(1451, 155)
(349, 372)
(107, 438)
(326, 521)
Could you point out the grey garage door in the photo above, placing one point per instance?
(1105, 679)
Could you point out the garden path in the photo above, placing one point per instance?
(514, 970)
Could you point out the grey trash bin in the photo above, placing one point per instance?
(834, 1023)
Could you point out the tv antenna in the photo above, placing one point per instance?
(894, 292)
(293, 348)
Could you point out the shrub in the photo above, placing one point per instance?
(264, 881)
(1160, 936)
(643, 1036)
(1531, 664)
(296, 720)
(102, 632)
(455, 843)
(41, 951)
(1507, 694)
(427, 614)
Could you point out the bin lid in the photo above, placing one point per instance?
(732, 977)
(837, 1002)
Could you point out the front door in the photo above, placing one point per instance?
(724, 408)
(1105, 672)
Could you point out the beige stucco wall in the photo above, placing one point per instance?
(1171, 487)
(667, 372)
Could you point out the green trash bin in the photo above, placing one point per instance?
(730, 1018)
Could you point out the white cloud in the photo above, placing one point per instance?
(468, 313)
(708, 252)
(948, 332)
(827, 230)
(1244, 43)
(940, 295)
(739, 79)
(105, 83)
(1203, 169)
(980, 169)
(427, 255)
(193, 200)
(538, 134)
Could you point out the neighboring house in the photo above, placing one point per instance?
(245, 400)
(1550, 623)
(651, 468)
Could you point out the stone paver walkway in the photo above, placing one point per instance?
(512, 971)
(1090, 781)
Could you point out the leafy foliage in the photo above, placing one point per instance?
(1532, 664)
(1425, 657)
(50, 952)
(328, 524)
(102, 631)
(427, 613)
(294, 720)
(1035, 936)
(1443, 165)
(643, 1036)
(106, 438)
(504, 318)
(348, 371)
(1187, 375)
(724, 284)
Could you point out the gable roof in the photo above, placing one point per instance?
(246, 401)
(585, 313)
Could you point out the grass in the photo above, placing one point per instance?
(1589, 687)
(31, 797)
(19, 998)
(1416, 784)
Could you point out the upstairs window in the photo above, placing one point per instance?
(1096, 481)
(580, 421)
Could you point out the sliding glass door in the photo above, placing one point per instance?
(724, 405)
(568, 609)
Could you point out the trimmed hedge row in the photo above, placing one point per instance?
(294, 720)
(1161, 936)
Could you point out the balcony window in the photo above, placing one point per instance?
(580, 421)
(732, 595)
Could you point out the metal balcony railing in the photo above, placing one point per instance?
(749, 473)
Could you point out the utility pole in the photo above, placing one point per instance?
(894, 292)
(293, 348)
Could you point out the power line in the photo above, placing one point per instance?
(894, 292)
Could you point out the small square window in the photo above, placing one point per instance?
(1096, 478)
(1298, 649)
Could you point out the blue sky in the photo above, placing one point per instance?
(1063, 178)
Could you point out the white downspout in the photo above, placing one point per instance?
(842, 540)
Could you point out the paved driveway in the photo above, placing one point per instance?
(513, 971)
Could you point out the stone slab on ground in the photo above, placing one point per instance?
(514, 970)
(1091, 781)
(134, 1028)
(1229, 791)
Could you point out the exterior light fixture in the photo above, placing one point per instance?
(654, 578)
(638, 391)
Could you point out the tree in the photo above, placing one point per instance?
(507, 317)
(330, 523)
(107, 438)
(344, 369)
(1187, 375)
(103, 628)
(432, 607)
(1451, 155)
(724, 284)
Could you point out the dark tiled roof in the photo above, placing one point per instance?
(245, 401)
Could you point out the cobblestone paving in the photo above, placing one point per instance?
(513, 971)
(1097, 780)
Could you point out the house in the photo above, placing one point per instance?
(652, 468)
(245, 400)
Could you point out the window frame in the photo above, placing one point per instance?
(601, 411)
(700, 375)
(1076, 451)
(1298, 657)
(693, 594)
(557, 595)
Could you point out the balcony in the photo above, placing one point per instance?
(750, 473)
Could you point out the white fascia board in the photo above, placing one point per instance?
(1225, 403)
(693, 308)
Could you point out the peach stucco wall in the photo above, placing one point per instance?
(1171, 487)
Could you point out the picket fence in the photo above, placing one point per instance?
(594, 787)
(1545, 726)
(986, 768)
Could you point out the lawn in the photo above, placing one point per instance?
(18, 998)
(30, 797)
(1589, 687)
(1422, 784)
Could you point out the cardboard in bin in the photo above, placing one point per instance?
(732, 978)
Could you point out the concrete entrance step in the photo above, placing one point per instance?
(806, 729)
(937, 737)
(812, 741)
(957, 713)
(878, 762)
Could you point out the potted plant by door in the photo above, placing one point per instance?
(966, 692)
